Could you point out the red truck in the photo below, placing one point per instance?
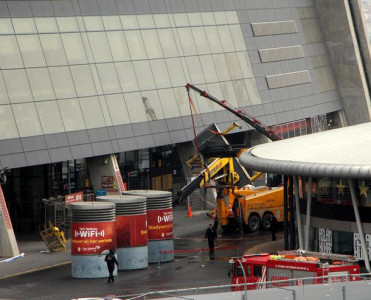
(293, 265)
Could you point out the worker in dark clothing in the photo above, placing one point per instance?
(273, 227)
(211, 236)
(111, 261)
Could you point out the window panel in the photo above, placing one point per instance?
(74, 48)
(106, 116)
(144, 75)
(27, 119)
(193, 63)
(17, 86)
(201, 40)
(220, 17)
(221, 67)
(207, 65)
(118, 45)
(195, 19)
(226, 39)
(93, 23)
(50, 117)
(245, 64)
(181, 20)
(31, 51)
(145, 21)
(136, 45)
(187, 41)
(71, 114)
(161, 20)
(152, 105)
(24, 25)
(253, 92)
(152, 42)
(217, 93)
(3, 93)
(213, 39)
(160, 73)
(100, 47)
(10, 56)
(41, 85)
(96, 80)
(241, 93)
(134, 103)
(229, 94)
(169, 104)
(67, 24)
(62, 82)
(112, 23)
(92, 112)
(233, 65)
(237, 36)
(46, 25)
(80, 24)
(176, 71)
(83, 80)
(182, 100)
(108, 78)
(203, 106)
(117, 109)
(127, 77)
(87, 47)
(232, 17)
(8, 128)
(53, 49)
(6, 26)
(167, 42)
(129, 22)
(208, 18)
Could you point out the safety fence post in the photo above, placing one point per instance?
(159, 262)
(202, 258)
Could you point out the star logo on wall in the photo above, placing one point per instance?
(341, 187)
(363, 189)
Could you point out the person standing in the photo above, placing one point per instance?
(273, 227)
(111, 260)
(211, 235)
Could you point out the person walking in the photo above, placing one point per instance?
(273, 227)
(111, 260)
(211, 235)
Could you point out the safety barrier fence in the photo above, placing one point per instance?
(201, 252)
(289, 285)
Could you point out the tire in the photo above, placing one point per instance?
(266, 222)
(254, 223)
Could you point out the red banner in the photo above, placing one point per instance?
(160, 224)
(92, 238)
(76, 197)
(131, 231)
(4, 210)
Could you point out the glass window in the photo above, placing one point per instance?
(201, 40)
(27, 119)
(135, 105)
(160, 73)
(80, 24)
(83, 80)
(129, 22)
(3, 93)
(128, 80)
(108, 78)
(232, 17)
(181, 20)
(195, 19)
(213, 39)
(67, 24)
(92, 112)
(144, 75)
(221, 67)
(182, 100)
(145, 21)
(71, 114)
(208, 18)
(161, 20)
(203, 106)
(220, 17)
(237, 37)
(93, 23)
(136, 45)
(50, 117)
(217, 92)
(168, 42)
(46, 25)
(169, 104)
(233, 65)
(152, 105)
(193, 64)
(152, 42)
(252, 89)
(6, 26)
(241, 93)
(10, 56)
(74, 48)
(229, 94)
(103, 105)
(17, 86)
(96, 79)
(226, 38)
(176, 71)
(100, 48)
(119, 48)
(87, 47)
(53, 49)
(8, 128)
(62, 82)
(31, 50)
(41, 85)
(187, 41)
(24, 25)
(117, 109)
(245, 64)
(207, 65)
(112, 22)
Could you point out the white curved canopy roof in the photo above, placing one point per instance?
(337, 153)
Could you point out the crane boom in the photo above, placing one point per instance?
(255, 123)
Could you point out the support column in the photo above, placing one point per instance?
(309, 211)
(297, 209)
(359, 224)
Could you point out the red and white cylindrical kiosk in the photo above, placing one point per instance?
(160, 224)
(93, 234)
(131, 230)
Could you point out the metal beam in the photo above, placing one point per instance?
(309, 211)
(297, 209)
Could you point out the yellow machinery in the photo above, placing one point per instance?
(53, 238)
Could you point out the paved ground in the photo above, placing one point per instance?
(48, 276)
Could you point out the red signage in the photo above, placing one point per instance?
(76, 197)
(4, 210)
(131, 231)
(92, 238)
(160, 224)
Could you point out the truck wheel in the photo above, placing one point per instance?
(266, 222)
(254, 223)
